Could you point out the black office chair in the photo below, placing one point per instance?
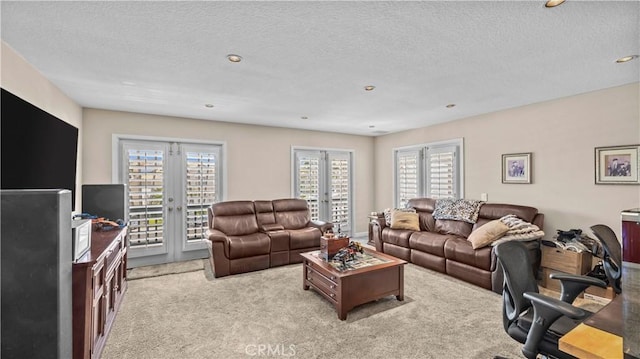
(534, 319)
(612, 256)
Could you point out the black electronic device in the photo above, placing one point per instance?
(106, 200)
(39, 150)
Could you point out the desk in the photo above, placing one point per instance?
(599, 337)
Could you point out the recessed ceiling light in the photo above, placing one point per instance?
(626, 59)
(208, 105)
(304, 118)
(451, 105)
(553, 3)
(369, 88)
(234, 58)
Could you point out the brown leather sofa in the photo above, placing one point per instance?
(442, 245)
(246, 236)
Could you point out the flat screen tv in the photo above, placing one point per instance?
(39, 151)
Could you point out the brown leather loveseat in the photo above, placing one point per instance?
(246, 236)
(442, 245)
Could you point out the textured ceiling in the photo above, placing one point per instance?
(313, 59)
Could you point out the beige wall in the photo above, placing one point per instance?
(561, 134)
(24, 81)
(258, 157)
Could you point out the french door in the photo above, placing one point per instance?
(170, 186)
(323, 178)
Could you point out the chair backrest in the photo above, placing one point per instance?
(612, 258)
(292, 213)
(264, 212)
(234, 218)
(518, 279)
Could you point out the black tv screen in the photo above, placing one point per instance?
(39, 151)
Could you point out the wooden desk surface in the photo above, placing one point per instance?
(599, 337)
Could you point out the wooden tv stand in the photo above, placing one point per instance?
(99, 283)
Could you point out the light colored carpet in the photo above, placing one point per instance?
(164, 269)
(191, 316)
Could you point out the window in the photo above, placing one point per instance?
(431, 170)
(323, 178)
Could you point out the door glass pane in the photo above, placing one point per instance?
(146, 200)
(307, 181)
(340, 182)
(200, 191)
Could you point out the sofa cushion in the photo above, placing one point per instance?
(460, 250)
(292, 213)
(487, 233)
(249, 245)
(457, 228)
(399, 237)
(235, 218)
(429, 242)
(496, 211)
(304, 238)
(264, 212)
(422, 204)
(404, 220)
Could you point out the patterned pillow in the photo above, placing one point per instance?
(387, 213)
(519, 230)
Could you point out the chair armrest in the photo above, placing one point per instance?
(215, 235)
(572, 285)
(271, 227)
(321, 225)
(546, 311)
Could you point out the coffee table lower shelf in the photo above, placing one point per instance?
(348, 289)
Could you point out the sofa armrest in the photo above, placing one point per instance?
(215, 235)
(271, 227)
(376, 225)
(321, 225)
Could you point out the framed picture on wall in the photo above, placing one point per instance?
(617, 164)
(516, 168)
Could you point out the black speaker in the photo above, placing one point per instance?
(106, 200)
(36, 274)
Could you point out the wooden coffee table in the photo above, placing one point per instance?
(348, 288)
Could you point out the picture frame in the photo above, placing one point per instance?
(516, 168)
(617, 165)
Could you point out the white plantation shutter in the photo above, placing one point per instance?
(307, 170)
(430, 170)
(441, 169)
(323, 179)
(201, 188)
(408, 176)
(145, 178)
(340, 191)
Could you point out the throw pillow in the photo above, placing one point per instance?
(404, 220)
(387, 213)
(487, 233)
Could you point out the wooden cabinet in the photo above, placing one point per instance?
(99, 283)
